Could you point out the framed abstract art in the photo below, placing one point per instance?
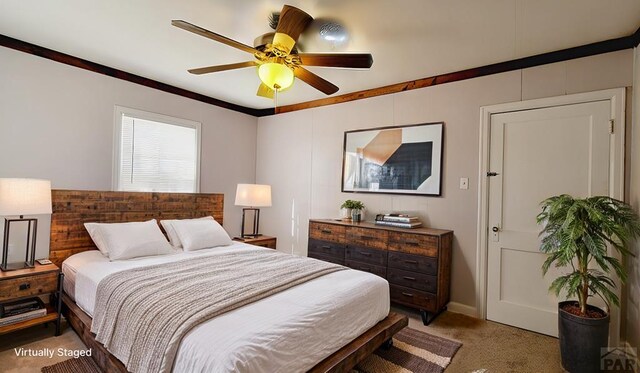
(394, 160)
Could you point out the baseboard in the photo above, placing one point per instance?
(462, 308)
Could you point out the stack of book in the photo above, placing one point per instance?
(398, 220)
(21, 310)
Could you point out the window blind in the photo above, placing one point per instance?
(157, 157)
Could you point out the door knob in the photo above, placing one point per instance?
(495, 229)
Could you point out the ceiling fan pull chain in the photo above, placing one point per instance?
(275, 98)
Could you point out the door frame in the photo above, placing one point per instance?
(616, 97)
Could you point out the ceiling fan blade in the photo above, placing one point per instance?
(231, 66)
(293, 21)
(291, 24)
(265, 91)
(212, 35)
(350, 60)
(315, 81)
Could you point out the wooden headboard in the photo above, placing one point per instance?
(73, 208)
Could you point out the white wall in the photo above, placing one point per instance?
(300, 153)
(56, 122)
(632, 321)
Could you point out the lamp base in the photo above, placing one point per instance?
(256, 222)
(30, 255)
(246, 237)
(15, 266)
(249, 236)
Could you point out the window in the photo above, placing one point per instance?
(155, 153)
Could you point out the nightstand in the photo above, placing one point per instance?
(264, 241)
(33, 282)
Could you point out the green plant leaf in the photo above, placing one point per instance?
(576, 233)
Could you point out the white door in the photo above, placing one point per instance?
(537, 154)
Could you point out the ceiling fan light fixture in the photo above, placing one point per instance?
(276, 76)
(283, 43)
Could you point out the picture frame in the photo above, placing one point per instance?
(404, 160)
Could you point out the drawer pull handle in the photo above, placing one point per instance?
(24, 286)
(407, 294)
(412, 243)
(409, 278)
(364, 253)
(367, 237)
(326, 247)
(411, 261)
(325, 231)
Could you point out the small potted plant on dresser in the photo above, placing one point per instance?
(353, 209)
(576, 235)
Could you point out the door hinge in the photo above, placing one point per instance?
(489, 174)
(611, 126)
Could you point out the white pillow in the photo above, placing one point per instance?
(171, 232)
(94, 232)
(201, 234)
(129, 240)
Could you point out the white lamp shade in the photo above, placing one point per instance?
(253, 195)
(25, 197)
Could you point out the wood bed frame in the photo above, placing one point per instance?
(72, 208)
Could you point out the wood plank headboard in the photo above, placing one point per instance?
(73, 208)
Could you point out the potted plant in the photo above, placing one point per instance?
(576, 235)
(354, 208)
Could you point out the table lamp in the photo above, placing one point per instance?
(252, 196)
(19, 197)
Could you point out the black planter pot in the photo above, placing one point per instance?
(581, 339)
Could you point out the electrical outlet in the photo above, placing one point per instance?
(464, 183)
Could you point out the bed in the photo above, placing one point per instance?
(327, 324)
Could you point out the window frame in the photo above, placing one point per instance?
(119, 111)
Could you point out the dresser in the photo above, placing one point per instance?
(416, 262)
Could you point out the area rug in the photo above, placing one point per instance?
(82, 364)
(412, 352)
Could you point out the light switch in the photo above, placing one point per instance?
(464, 183)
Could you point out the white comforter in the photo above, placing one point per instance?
(288, 332)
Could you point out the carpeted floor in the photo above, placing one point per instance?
(497, 348)
(486, 345)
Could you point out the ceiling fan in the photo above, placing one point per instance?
(277, 58)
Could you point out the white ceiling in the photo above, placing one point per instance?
(409, 39)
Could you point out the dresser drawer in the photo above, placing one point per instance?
(365, 267)
(413, 280)
(327, 232)
(420, 244)
(28, 286)
(374, 238)
(326, 248)
(330, 259)
(366, 255)
(413, 297)
(414, 263)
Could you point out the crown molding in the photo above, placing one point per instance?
(67, 59)
(612, 45)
